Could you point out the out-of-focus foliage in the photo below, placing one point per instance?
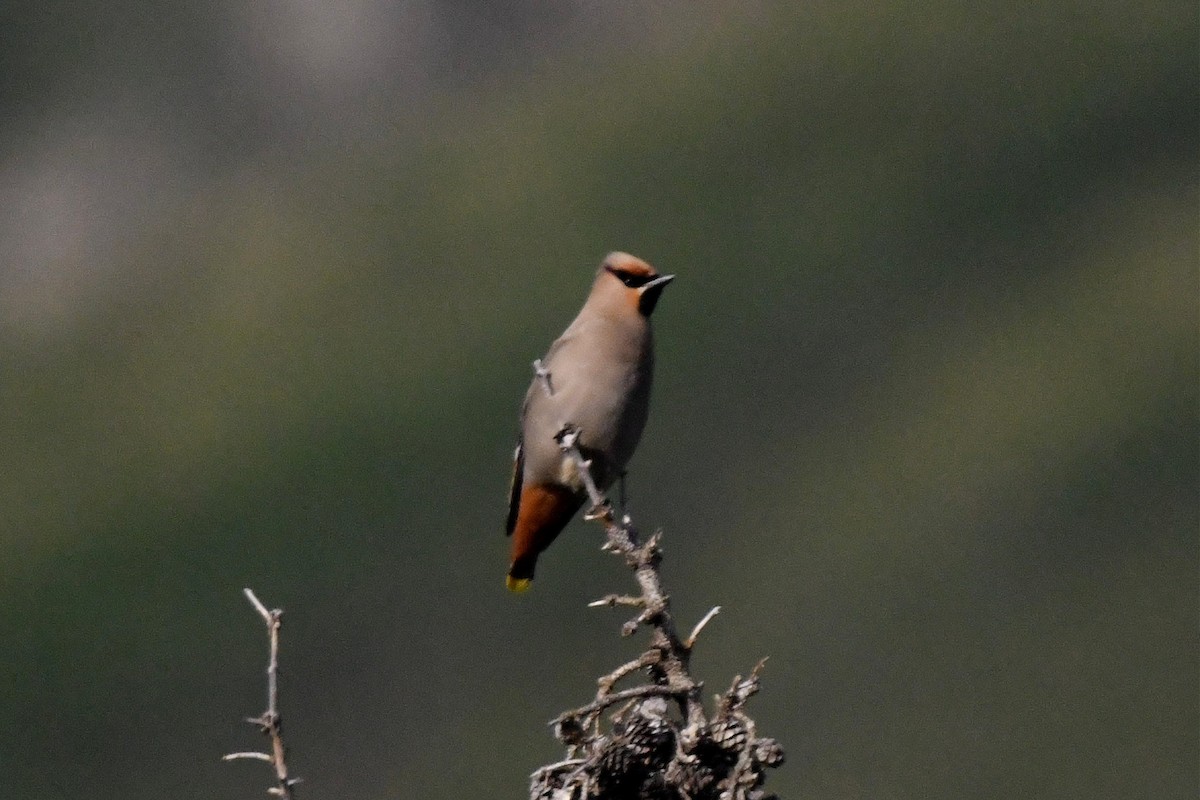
(925, 421)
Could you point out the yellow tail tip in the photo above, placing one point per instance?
(517, 585)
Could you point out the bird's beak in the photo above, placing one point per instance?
(649, 292)
(661, 280)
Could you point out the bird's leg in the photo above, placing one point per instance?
(622, 504)
(540, 371)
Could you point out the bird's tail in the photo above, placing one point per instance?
(544, 510)
(517, 585)
(520, 574)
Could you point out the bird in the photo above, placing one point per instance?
(596, 378)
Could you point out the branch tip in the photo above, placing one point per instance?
(268, 616)
(269, 722)
(691, 640)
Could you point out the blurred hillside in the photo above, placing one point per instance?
(925, 420)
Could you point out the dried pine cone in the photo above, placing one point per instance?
(693, 778)
(657, 787)
(650, 738)
(768, 752)
(729, 735)
(619, 768)
(569, 731)
(639, 748)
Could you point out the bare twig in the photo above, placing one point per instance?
(540, 371)
(691, 639)
(269, 722)
(646, 747)
(568, 441)
(250, 755)
(606, 683)
(672, 653)
(560, 766)
(617, 600)
(600, 703)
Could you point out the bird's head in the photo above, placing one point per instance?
(630, 282)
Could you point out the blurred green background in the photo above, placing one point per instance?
(925, 425)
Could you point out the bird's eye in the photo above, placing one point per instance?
(628, 278)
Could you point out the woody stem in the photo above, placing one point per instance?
(269, 722)
(669, 655)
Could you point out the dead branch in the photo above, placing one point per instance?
(269, 722)
(648, 752)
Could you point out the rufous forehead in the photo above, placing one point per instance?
(629, 264)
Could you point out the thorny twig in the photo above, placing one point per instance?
(647, 753)
(269, 722)
(673, 654)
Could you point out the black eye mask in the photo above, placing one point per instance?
(630, 279)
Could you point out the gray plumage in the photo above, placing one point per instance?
(597, 377)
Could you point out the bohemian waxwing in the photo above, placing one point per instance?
(596, 377)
